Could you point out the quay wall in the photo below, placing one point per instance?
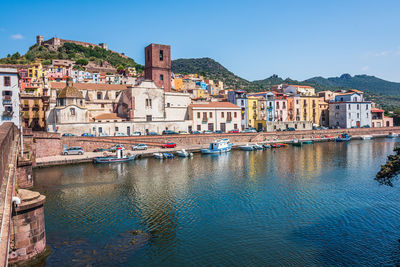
(51, 144)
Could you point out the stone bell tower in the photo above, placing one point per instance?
(158, 65)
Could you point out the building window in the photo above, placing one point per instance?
(349, 115)
(100, 129)
(7, 81)
(161, 55)
(222, 114)
(277, 105)
(116, 129)
(358, 106)
(148, 103)
(148, 55)
(161, 77)
(304, 125)
(198, 127)
(349, 107)
(229, 116)
(235, 114)
(204, 116)
(72, 110)
(297, 102)
(210, 115)
(367, 114)
(235, 126)
(366, 107)
(358, 115)
(98, 95)
(198, 115)
(168, 105)
(337, 107)
(149, 118)
(102, 105)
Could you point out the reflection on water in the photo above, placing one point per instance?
(311, 205)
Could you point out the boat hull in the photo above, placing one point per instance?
(209, 151)
(112, 159)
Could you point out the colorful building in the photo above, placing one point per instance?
(309, 109)
(239, 98)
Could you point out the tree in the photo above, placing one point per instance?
(82, 62)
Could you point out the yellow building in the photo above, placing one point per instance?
(178, 84)
(252, 111)
(200, 93)
(36, 71)
(309, 109)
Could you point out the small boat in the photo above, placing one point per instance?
(308, 142)
(366, 137)
(266, 146)
(168, 155)
(392, 135)
(344, 137)
(119, 157)
(218, 146)
(278, 145)
(296, 142)
(158, 155)
(184, 154)
(247, 147)
(258, 147)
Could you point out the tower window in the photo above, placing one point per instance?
(161, 55)
(161, 77)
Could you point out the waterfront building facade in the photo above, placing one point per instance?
(349, 110)
(10, 104)
(379, 119)
(239, 98)
(215, 116)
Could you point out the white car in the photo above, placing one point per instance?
(139, 147)
(136, 134)
(103, 134)
(120, 134)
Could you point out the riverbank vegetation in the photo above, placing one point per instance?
(390, 170)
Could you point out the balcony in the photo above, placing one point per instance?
(229, 118)
(205, 119)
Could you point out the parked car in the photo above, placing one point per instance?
(136, 134)
(88, 135)
(207, 132)
(120, 134)
(218, 132)
(183, 132)
(75, 150)
(169, 145)
(234, 131)
(153, 133)
(366, 126)
(249, 130)
(114, 148)
(103, 134)
(139, 147)
(168, 132)
(196, 132)
(290, 129)
(68, 134)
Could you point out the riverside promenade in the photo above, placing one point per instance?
(192, 143)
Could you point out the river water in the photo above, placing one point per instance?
(315, 205)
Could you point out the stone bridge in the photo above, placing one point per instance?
(22, 232)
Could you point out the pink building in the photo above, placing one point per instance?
(281, 107)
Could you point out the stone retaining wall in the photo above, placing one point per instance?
(52, 144)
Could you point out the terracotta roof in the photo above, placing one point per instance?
(377, 110)
(90, 86)
(304, 86)
(215, 105)
(107, 116)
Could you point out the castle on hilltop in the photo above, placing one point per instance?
(54, 43)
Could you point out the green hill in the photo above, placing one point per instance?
(71, 51)
(385, 93)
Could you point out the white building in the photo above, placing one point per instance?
(10, 104)
(349, 110)
(215, 116)
(300, 90)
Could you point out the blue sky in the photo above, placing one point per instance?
(253, 39)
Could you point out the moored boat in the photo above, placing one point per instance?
(344, 137)
(392, 135)
(158, 155)
(247, 147)
(168, 155)
(266, 146)
(296, 142)
(218, 146)
(307, 142)
(278, 145)
(183, 153)
(119, 157)
(366, 137)
(258, 147)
